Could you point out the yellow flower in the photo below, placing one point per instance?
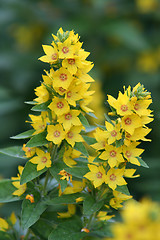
(76, 186)
(113, 155)
(65, 49)
(62, 78)
(70, 213)
(42, 159)
(97, 175)
(65, 175)
(51, 54)
(29, 152)
(73, 135)
(147, 61)
(20, 188)
(101, 138)
(72, 94)
(84, 77)
(59, 106)
(129, 173)
(42, 94)
(3, 225)
(13, 218)
(55, 133)
(131, 153)
(72, 64)
(70, 119)
(69, 155)
(118, 198)
(131, 122)
(30, 197)
(140, 107)
(102, 216)
(113, 132)
(79, 199)
(139, 134)
(39, 122)
(114, 177)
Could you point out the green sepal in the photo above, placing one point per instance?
(123, 189)
(54, 170)
(89, 140)
(30, 172)
(41, 107)
(6, 190)
(38, 140)
(143, 164)
(64, 199)
(78, 171)
(68, 230)
(83, 120)
(31, 211)
(24, 135)
(90, 206)
(79, 146)
(119, 143)
(15, 151)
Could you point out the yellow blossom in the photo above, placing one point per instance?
(30, 197)
(131, 122)
(59, 106)
(62, 78)
(101, 138)
(70, 213)
(20, 188)
(114, 177)
(42, 159)
(70, 119)
(65, 175)
(3, 225)
(39, 122)
(75, 186)
(131, 153)
(65, 49)
(69, 155)
(55, 133)
(72, 64)
(103, 216)
(42, 94)
(113, 132)
(72, 94)
(139, 134)
(73, 135)
(97, 175)
(29, 151)
(140, 107)
(51, 54)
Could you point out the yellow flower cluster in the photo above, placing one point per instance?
(141, 221)
(117, 143)
(6, 224)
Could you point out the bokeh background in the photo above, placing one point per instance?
(123, 37)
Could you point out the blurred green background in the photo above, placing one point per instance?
(124, 40)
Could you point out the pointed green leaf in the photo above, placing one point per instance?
(108, 119)
(38, 140)
(78, 171)
(15, 151)
(81, 148)
(31, 102)
(41, 107)
(123, 189)
(5, 236)
(143, 164)
(24, 135)
(6, 190)
(92, 115)
(31, 211)
(89, 140)
(30, 172)
(89, 129)
(64, 199)
(90, 206)
(83, 120)
(42, 228)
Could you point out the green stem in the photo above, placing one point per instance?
(27, 235)
(90, 221)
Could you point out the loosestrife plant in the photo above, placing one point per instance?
(66, 192)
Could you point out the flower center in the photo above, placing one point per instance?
(42, 126)
(128, 121)
(128, 135)
(128, 154)
(65, 50)
(54, 56)
(43, 159)
(71, 61)
(68, 116)
(112, 177)
(113, 153)
(70, 134)
(124, 108)
(113, 133)
(60, 105)
(136, 106)
(63, 77)
(61, 89)
(99, 175)
(57, 133)
(69, 94)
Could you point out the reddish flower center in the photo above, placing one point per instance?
(43, 159)
(113, 133)
(99, 175)
(113, 153)
(65, 50)
(136, 106)
(63, 77)
(71, 61)
(57, 133)
(61, 89)
(68, 116)
(128, 154)
(128, 135)
(112, 177)
(124, 108)
(70, 134)
(60, 105)
(69, 94)
(42, 126)
(54, 56)
(128, 121)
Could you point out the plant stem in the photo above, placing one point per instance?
(27, 235)
(90, 221)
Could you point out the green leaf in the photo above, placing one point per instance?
(89, 129)
(90, 206)
(68, 230)
(6, 190)
(54, 170)
(24, 135)
(108, 119)
(38, 140)
(83, 120)
(123, 189)
(120, 142)
(15, 151)
(42, 228)
(5, 236)
(91, 115)
(81, 148)
(77, 171)
(41, 107)
(30, 172)
(31, 102)
(64, 199)
(31, 211)
(143, 164)
(89, 140)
